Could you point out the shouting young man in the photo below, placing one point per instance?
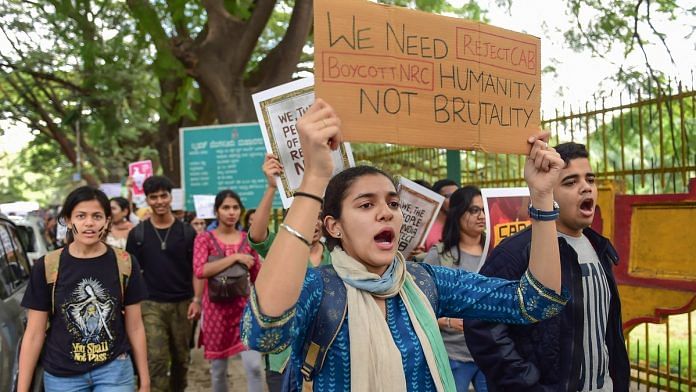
(581, 349)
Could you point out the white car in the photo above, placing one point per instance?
(31, 229)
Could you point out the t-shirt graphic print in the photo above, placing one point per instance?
(89, 312)
(86, 322)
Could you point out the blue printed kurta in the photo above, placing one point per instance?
(461, 294)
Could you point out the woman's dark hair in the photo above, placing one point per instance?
(247, 216)
(79, 195)
(460, 201)
(122, 203)
(224, 194)
(157, 183)
(336, 192)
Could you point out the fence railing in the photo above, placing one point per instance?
(646, 141)
(662, 355)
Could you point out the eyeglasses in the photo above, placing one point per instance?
(475, 210)
(198, 223)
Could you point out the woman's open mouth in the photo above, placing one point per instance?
(385, 239)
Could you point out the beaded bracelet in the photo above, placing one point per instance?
(311, 196)
(296, 234)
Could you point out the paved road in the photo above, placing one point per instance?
(199, 374)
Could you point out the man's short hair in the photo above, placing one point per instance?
(157, 183)
(439, 184)
(571, 150)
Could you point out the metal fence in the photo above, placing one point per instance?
(662, 355)
(644, 139)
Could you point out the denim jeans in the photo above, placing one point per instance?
(115, 376)
(465, 373)
(251, 360)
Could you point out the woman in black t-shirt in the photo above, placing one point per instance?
(92, 306)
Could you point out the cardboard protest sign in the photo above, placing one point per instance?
(506, 214)
(420, 206)
(278, 110)
(139, 172)
(205, 206)
(403, 76)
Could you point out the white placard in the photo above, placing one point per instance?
(204, 205)
(419, 206)
(111, 189)
(177, 199)
(278, 110)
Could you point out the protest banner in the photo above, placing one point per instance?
(278, 110)
(204, 206)
(139, 172)
(420, 206)
(506, 214)
(402, 76)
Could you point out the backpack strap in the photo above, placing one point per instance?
(326, 325)
(51, 266)
(424, 281)
(325, 328)
(139, 233)
(125, 267)
(218, 249)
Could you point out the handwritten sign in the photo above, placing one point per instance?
(205, 206)
(409, 77)
(420, 206)
(278, 110)
(506, 215)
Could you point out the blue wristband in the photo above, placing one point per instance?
(540, 215)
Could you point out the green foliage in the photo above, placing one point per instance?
(120, 72)
(77, 66)
(602, 26)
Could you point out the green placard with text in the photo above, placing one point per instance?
(220, 157)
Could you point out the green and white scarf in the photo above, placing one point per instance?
(375, 359)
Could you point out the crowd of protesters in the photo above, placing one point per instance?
(115, 306)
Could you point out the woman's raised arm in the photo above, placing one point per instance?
(280, 280)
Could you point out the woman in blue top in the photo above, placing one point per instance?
(390, 339)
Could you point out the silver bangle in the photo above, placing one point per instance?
(296, 234)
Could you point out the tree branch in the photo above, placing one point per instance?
(658, 34)
(148, 23)
(219, 19)
(45, 76)
(636, 37)
(253, 29)
(281, 61)
(179, 23)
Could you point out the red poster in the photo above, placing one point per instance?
(139, 172)
(506, 214)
